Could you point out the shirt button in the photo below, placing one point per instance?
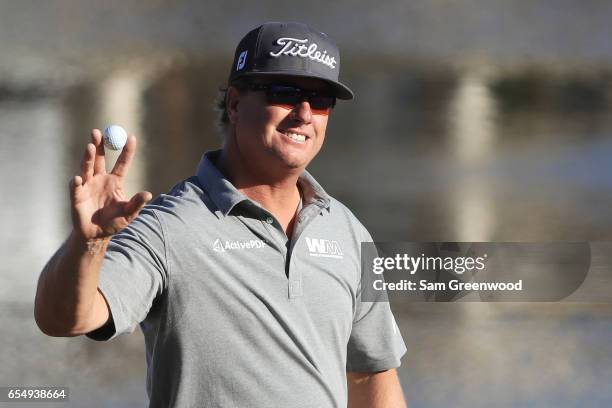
(269, 220)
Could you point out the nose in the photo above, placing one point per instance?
(302, 112)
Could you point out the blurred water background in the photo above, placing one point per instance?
(474, 121)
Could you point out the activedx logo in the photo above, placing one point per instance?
(324, 248)
(227, 245)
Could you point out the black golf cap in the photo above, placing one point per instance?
(292, 49)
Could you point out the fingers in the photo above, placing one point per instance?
(75, 183)
(125, 158)
(99, 162)
(133, 207)
(87, 164)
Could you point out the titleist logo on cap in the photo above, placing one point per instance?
(299, 48)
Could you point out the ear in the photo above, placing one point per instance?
(232, 100)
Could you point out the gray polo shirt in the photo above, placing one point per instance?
(236, 315)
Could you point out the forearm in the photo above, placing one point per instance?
(375, 390)
(68, 288)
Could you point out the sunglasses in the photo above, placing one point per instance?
(288, 96)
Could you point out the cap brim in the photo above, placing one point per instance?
(341, 91)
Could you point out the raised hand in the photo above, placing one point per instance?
(99, 207)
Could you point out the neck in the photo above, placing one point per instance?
(277, 192)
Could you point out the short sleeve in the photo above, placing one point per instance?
(375, 343)
(133, 274)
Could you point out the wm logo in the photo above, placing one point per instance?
(324, 248)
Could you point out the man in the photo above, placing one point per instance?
(245, 277)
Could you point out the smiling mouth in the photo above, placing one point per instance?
(296, 137)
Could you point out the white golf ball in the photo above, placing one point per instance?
(115, 137)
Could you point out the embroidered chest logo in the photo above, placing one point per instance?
(324, 248)
(227, 245)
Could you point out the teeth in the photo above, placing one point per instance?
(296, 137)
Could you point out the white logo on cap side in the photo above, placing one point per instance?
(296, 47)
(241, 60)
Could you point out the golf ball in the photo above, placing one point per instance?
(115, 137)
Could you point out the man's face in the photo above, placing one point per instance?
(282, 137)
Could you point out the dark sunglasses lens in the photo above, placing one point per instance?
(284, 95)
(322, 102)
(290, 96)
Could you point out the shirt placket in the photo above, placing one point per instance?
(276, 236)
(294, 276)
(305, 217)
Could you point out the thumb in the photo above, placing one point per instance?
(133, 207)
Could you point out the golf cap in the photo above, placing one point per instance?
(292, 49)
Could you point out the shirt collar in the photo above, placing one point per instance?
(312, 191)
(225, 196)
